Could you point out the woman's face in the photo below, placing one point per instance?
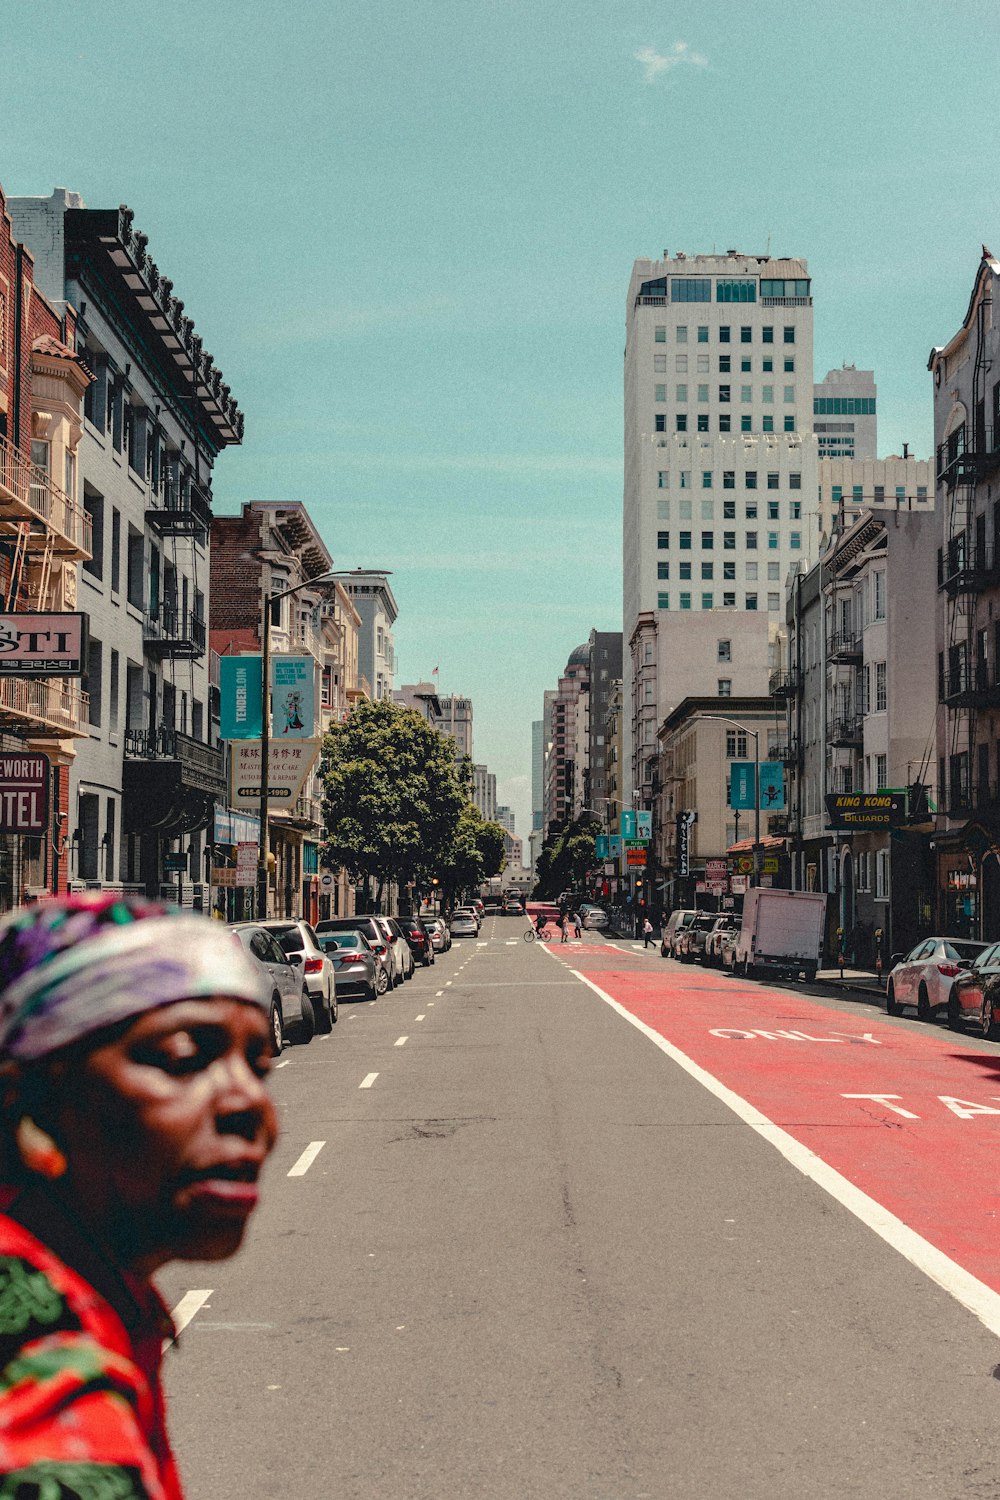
(166, 1128)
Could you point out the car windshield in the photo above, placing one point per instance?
(962, 949)
(343, 940)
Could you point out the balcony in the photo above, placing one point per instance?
(176, 633)
(306, 813)
(789, 754)
(976, 687)
(170, 782)
(958, 463)
(43, 707)
(783, 684)
(965, 571)
(786, 302)
(847, 732)
(186, 510)
(28, 494)
(846, 648)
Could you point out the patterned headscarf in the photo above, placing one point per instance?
(79, 963)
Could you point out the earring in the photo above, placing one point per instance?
(39, 1151)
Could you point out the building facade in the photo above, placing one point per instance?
(566, 740)
(845, 418)
(484, 791)
(374, 601)
(604, 670)
(455, 719)
(145, 783)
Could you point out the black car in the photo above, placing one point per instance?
(419, 939)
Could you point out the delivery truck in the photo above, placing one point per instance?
(780, 930)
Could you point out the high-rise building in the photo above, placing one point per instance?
(455, 719)
(720, 499)
(484, 791)
(505, 817)
(537, 774)
(566, 740)
(844, 416)
(605, 670)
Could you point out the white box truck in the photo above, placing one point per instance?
(780, 930)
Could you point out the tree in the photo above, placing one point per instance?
(394, 795)
(566, 856)
(477, 851)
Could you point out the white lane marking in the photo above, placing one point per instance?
(401, 1041)
(190, 1303)
(283, 1063)
(438, 994)
(367, 1081)
(307, 1158)
(512, 942)
(430, 1005)
(420, 1018)
(954, 1279)
(480, 945)
(447, 983)
(352, 1018)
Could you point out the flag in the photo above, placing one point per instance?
(435, 672)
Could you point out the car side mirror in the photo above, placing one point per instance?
(896, 958)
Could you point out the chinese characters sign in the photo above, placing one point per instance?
(288, 765)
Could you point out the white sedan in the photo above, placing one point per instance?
(463, 924)
(923, 978)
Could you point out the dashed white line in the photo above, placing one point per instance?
(401, 1041)
(367, 1081)
(190, 1303)
(307, 1158)
(447, 984)
(420, 1018)
(438, 994)
(283, 1063)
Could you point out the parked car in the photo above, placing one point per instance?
(689, 943)
(967, 998)
(291, 1008)
(676, 923)
(358, 970)
(478, 906)
(440, 937)
(299, 943)
(594, 918)
(468, 911)
(923, 978)
(402, 956)
(464, 924)
(418, 938)
(726, 922)
(376, 942)
(780, 930)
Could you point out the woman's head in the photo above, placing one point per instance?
(133, 1043)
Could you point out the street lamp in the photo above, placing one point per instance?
(270, 599)
(745, 729)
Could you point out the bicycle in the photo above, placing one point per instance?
(531, 936)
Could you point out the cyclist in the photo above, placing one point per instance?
(540, 924)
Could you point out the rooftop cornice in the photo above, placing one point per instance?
(112, 230)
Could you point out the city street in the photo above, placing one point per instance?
(571, 1220)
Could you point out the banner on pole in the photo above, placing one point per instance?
(240, 697)
(293, 697)
(288, 766)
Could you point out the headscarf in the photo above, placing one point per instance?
(76, 964)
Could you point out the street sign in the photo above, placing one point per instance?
(24, 793)
(865, 809)
(628, 825)
(288, 766)
(327, 880)
(644, 825)
(175, 860)
(635, 858)
(37, 645)
(247, 856)
(772, 786)
(741, 786)
(635, 843)
(224, 875)
(240, 688)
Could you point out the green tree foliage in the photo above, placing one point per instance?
(477, 851)
(566, 856)
(394, 795)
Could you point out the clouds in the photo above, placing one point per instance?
(654, 63)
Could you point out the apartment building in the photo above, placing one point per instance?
(44, 535)
(845, 418)
(566, 739)
(847, 486)
(484, 791)
(372, 597)
(720, 494)
(454, 718)
(145, 782)
(604, 670)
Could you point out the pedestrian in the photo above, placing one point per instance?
(564, 928)
(134, 1123)
(647, 932)
(578, 926)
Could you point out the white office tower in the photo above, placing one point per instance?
(720, 500)
(845, 420)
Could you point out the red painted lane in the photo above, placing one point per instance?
(938, 1172)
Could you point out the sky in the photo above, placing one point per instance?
(405, 233)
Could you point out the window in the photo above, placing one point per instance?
(729, 479)
(659, 364)
(662, 602)
(663, 479)
(789, 333)
(725, 687)
(682, 422)
(681, 364)
(707, 541)
(707, 571)
(685, 541)
(663, 510)
(708, 510)
(706, 601)
(682, 393)
(116, 550)
(729, 541)
(773, 602)
(767, 334)
(93, 504)
(789, 365)
(795, 481)
(746, 393)
(725, 364)
(724, 334)
(660, 334)
(703, 421)
(686, 485)
(703, 364)
(751, 510)
(690, 289)
(682, 333)
(746, 334)
(729, 568)
(750, 479)
(684, 570)
(750, 572)
(882, 875)
(662, 570)
(725, 422)
(662, 539)
(725, 651)
(751, 541)
(736, 744)
(724, 393)
(796, 510)
(660, 421)
(881, 772)
(703, 333)
(789, 424)
(881, 692)
(767, 424)
(773, 572)
(921, 492)
(746, 424)
(795, 541)
(772, 510)
(729, 601)
(685, 601)
(767, 394)
(751, 601)
(113, 694)
(767, 365)
(878, 587)
(706, 479)
(735, 289)
(729, 510)
(95, 675)
(789, 395)
(703, 393)
(746, 364)
(136, 592)
(659, 393)
(772, 541)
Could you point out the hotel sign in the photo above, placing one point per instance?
(24, 793)
(43, 645)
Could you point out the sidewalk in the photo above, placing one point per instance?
(864, 981)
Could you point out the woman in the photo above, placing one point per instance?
(134, 1123)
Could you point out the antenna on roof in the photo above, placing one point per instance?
(769, 247)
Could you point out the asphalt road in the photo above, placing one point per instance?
(537, 1257)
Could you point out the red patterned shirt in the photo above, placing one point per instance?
(81, 1407)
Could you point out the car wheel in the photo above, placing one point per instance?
(277, 1027)
(892, 1007)
(381, 982)
(323, 1014)
(334, 1008)
(923, 1004)
(426, 961)
(954, 1012)
(988, 1020)
(370, 992)
(305, 1029)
